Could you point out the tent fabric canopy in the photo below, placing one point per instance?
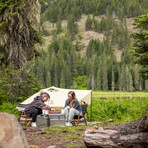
(58, 96)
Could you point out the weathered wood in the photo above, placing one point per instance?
(129, 135)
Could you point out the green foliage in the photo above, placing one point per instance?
(81, 82)
(10, 108)
(63, 9)
(120, 110)
(140, 46)
(59, 26)
(18, 32)
(15, 85)
(88, 25)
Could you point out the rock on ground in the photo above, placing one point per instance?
(11, 133)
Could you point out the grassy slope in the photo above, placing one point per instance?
(83, 36)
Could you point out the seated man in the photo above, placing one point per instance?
(72, 107)
(35, 107)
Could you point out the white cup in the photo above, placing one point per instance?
(44, 111)
(62, 111)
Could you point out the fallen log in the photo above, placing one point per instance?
(128, 135)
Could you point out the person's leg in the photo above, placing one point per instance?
(66, 111)
(39, 111)
(72, 112)
(33, 113)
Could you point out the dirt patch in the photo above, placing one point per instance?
(60, 137)
(130, 26)
(86, 37)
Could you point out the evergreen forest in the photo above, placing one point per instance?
(104, 64)
(80, 44)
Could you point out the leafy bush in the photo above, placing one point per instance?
(16, 85)
(8, 107)
(81, 82)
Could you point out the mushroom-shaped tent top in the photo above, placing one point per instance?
(58, 96)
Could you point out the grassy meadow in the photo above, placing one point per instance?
(119, 106)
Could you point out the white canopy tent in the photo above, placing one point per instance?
(58, 96)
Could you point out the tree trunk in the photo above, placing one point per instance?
(128, 135)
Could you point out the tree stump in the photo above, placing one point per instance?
(128, 135)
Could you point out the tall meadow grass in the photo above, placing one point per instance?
(120, 110)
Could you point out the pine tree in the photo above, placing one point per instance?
(146, 85)
(113, 80)
(104, 80)
(92, 82)
(56, 82)
(130, 83)
(62, 80)
(136, 77)
(123, 78)
(98, 80)
(48, 79)
(140, 46)
(59, 26)
(89, 82)
(88, 24)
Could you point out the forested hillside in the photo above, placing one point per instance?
(87, 44)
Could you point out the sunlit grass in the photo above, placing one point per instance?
(119, 94)
(74, 145)
(72, 136)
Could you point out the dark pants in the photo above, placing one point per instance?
(33, 113)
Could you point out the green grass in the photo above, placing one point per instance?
(71, 132)
(74, 145)
(73, 136)
(120, 110)
(66, 133)
(119, 94)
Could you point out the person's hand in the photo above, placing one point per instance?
(68, 107)
(44, 107)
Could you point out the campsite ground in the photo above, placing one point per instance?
(60, 137)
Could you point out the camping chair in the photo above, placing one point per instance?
(22, 114)
(81, 118)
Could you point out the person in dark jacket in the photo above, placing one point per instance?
(36, 106)
(72, 107)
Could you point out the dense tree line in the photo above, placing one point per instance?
(53, 10)
(62, 66)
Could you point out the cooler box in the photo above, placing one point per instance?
(57, 119)
(51, 120)
(43, 120)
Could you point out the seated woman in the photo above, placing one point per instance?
(35, 107)
(72, 107)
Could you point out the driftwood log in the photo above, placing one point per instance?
(128, 135)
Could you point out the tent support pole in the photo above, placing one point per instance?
(91, 108)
